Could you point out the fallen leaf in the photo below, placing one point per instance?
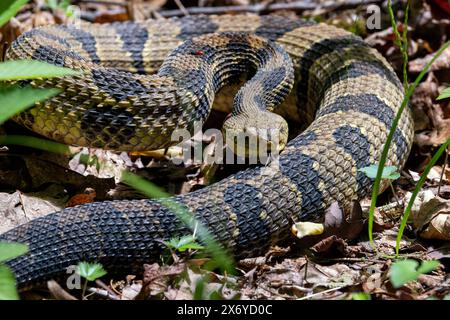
(439, 228)
(157, 278)
(130, 291)
(432, 219)
(331, 246)
(346, 224)
(442, 252)
(18, 208)
(82, 198)
(442, 62)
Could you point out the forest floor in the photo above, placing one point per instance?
(339, 266)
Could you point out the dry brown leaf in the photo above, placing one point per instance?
(423, 102)
(442, 62)
(87, 197)
(331, 246)
(435, 174)
(438, 136)
(432, 220)
(439, 227)
(440, 252)
(296, 278)
(373, 283)
(156, 279)
(18, 208)
(130, 291)
(346, 224)
(42, 18)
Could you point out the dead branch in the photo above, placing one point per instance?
(260, 8)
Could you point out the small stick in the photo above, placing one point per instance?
(320, 293)
(264, 8)
(394, 193)
(58, 292)
(103, 293)
(182, 7)
(105, 2)
(112, 294)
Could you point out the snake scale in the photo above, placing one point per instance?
(143, 80)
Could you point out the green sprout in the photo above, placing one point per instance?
(90, 271)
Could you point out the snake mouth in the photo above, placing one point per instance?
(256, 143)
(259, 135)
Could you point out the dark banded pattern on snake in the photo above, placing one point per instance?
(346, 89)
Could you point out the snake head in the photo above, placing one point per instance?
(256, 135)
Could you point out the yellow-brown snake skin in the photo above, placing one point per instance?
(128, 99)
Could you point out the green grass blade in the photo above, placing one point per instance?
(32, 69)
(8, 289)
(419, 185)
(9, 8)
(14, 99)
(11, 250)
(382, 162)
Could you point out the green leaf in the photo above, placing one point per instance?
(90, 271)
(35, 142)
(407, 270)
(14, 99)
(393, 176)
(8, 289)
(444, 94)
(11, 250)
(199, 290)
(389, 172)
(184, 243)
(9, 8)
(53, 4)
(361, 296)
(403, 272)
(32, 69)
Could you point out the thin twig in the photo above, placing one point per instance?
(58, 292)
(182, 7)
(320, 293)
(105, 2)
(393, 192)
(112, 294)
(103, 293)
(265, 8)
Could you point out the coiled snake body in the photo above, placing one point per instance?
(345, 89)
